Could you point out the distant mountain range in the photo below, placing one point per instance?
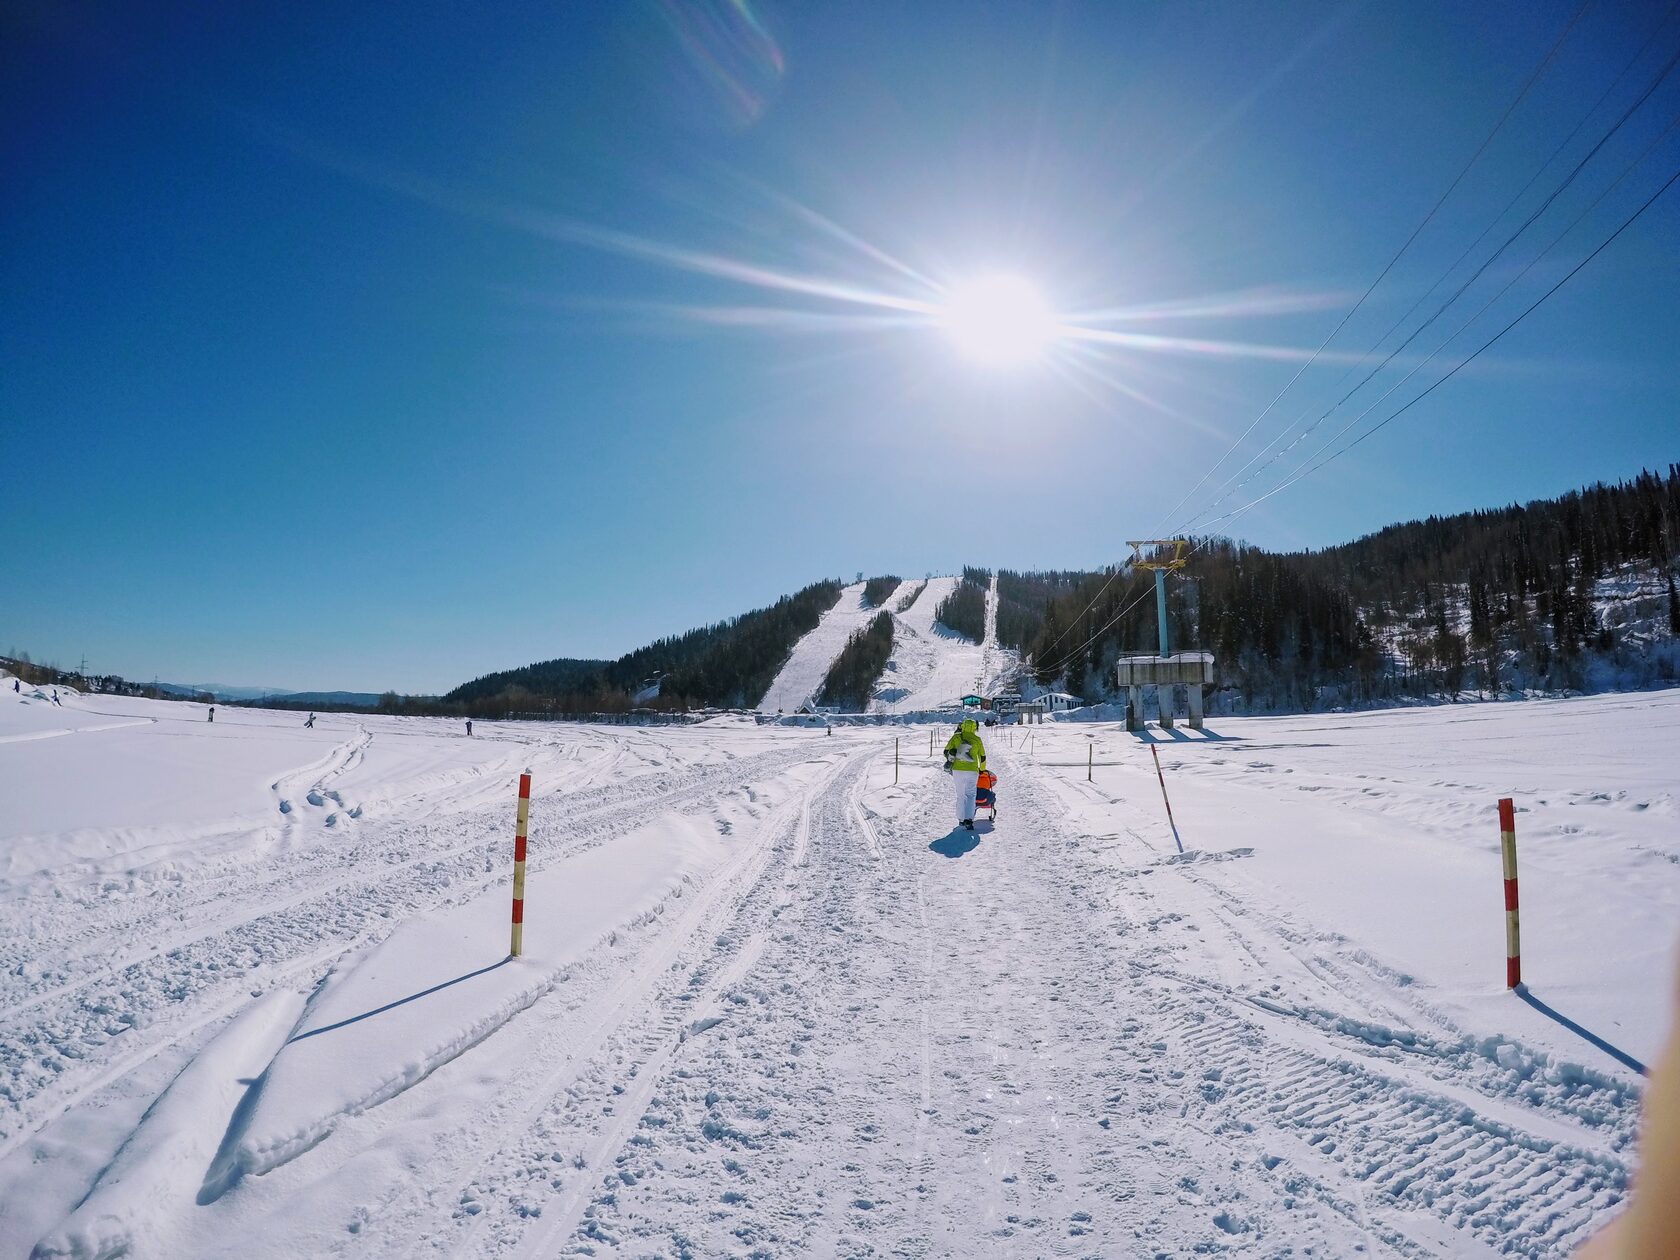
(222, 691)
(225, 691)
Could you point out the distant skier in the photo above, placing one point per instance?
(211, 715)
(310, 724)
(469, 726)
(17, 686)
(56, 699)
(965, 758)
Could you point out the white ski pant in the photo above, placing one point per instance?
(963, 783)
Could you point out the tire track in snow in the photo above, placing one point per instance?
(632, 1026)
(708, 985)
(188, 982)
(1379, 1140)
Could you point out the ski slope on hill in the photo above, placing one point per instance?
(773, 1003)
(801, 679)
(932, 666)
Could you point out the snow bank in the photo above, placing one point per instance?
(157, 1171)
(442, 982)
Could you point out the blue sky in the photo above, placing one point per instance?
(383, 347)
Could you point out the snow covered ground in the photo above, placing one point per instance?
(254, 994)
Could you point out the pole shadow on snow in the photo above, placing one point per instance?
(1622, 1057)
(225, 1169)
(959, 842)
(389, 1006)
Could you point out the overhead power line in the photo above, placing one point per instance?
(1066, 658)
(1456, 368)
(1568, 180)
(1428, 218)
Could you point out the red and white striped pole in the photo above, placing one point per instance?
(1513, 937)
(519, 866)
(1165, 798)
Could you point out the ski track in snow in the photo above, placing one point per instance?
(853, 1034)
(966, 1071)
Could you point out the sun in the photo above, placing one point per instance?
(998, 320)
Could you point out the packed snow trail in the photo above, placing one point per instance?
(842, 1028)
(987, 1047)
(994, 662)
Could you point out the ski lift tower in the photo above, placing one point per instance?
(1163, 671)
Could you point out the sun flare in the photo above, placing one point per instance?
(998, 320)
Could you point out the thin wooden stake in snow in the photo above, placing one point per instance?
(1156, 753)
(895, 761)
(1513, 936)
(1090, 752)
(518, 946)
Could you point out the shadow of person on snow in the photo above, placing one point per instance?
(957, 843)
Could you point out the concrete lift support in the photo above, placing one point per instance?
(1163, 671)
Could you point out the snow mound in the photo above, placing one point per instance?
(440, 984)
(159, 1165)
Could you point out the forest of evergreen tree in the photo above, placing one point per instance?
(964, 609)
(1496, 601)
(878, 590)
(730, 664)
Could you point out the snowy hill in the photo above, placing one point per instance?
(257, 995)
(932, 666)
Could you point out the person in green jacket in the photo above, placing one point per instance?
(965, 757)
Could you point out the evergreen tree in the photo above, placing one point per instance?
(964, 609)
(878, 590)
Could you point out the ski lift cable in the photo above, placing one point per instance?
(1423, 297)
(1556, 240)
(1308, 470)
(1068, 657)
(1522, 94)
(1428, 218)
(1574, 223)
(1493, 222)
(1228, 490)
